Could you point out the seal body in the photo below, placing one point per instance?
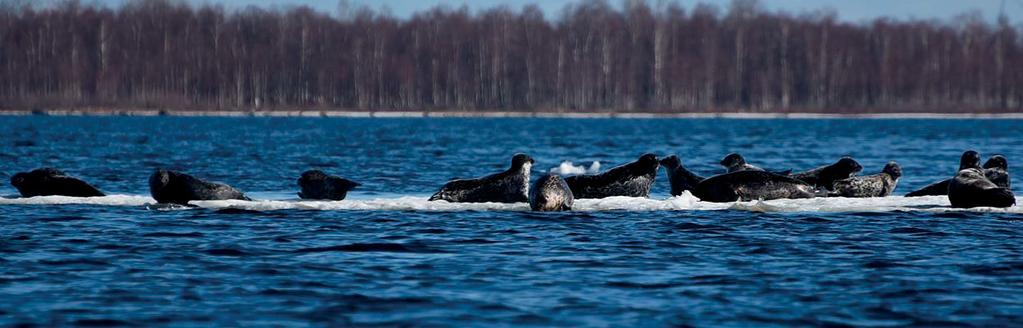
(969, 159)
(550, 193)
(751, 185)
(171, 187)
(318, 185)
(875, 185)
(735, 162)
(824, 177)
(679, 177)
(52, 182)
(631, 180)
(510, 186)
(970, 188)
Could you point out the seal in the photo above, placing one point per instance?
(824, 177)
(631, 180)
(318, 185)
(996, 169)
(735, 162)
(550, 194)
(680, 178)
(970, 188)
(171, 187)
(969, 159)
(510, 186)
(874, 185)
(751, 185)
(52, 182)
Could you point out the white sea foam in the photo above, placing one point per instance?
(567, 168)
(282, 201)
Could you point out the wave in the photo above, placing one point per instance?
(420, 203)
(567, 168)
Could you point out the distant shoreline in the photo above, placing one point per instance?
(467, 114)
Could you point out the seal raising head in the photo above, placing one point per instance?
(510, 186)
(969, 159)
(735, 162)
(680, 178)
(875, 185)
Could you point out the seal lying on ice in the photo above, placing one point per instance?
(632, 179)
(510, 186)
(550, 193)
(874, 185)
(171, 187)
(52, 182)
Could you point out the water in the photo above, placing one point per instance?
(387, 257)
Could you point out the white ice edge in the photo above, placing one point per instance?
(420, 203)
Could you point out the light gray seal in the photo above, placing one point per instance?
(874, 185)
(550, 193)
(171, 187)
(52, 182)
(970, 188)
(631, 180)
(510, 186)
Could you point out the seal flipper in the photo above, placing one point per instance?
(939, 188)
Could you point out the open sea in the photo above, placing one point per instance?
(387, 257)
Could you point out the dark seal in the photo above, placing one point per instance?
(52, 182)
(318, 185)
(970, 188)
(874, 185)
(631, 180)
(969, 160)
(510, 186)
(550, 193)
(750, 185)
(996, 169)
(170, 187)
(735, 162)
(680, 178)
(824, 177)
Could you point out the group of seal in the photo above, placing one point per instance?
(972, 186)
(173, 187)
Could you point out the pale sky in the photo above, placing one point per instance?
(848, 10)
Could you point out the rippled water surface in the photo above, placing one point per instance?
(387, 257)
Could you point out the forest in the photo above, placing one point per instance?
(594, 56)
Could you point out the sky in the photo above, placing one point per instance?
(847, 10)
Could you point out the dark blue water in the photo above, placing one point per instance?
(394, 261)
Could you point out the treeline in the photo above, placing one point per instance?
(592, 57)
